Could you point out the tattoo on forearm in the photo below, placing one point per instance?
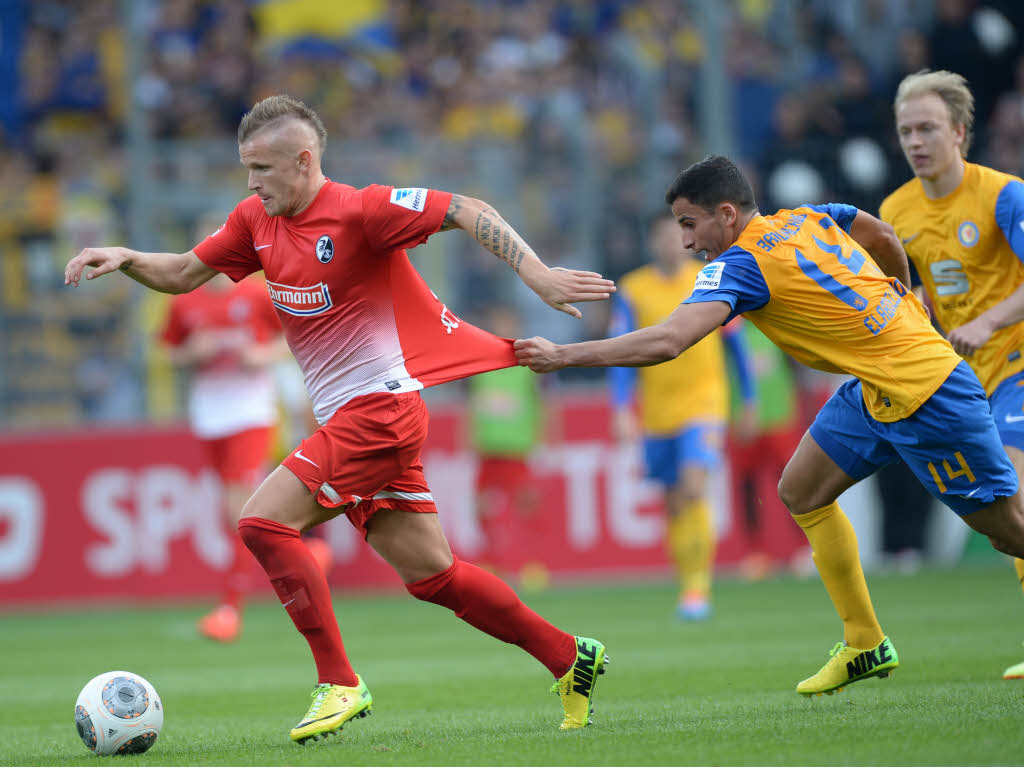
(494, 233)
(453, 211)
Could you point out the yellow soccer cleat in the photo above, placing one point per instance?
(332, 706)
(848, 664)
(576, 688)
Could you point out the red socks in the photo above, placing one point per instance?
(483, 600)
(487, 603)
(302, 588)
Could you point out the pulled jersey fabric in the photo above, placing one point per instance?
(356, 314)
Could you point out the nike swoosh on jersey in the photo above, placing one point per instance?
(911, 238)
(301, 457)
(1014, 418)
(261, 247)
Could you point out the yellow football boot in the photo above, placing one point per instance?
(848, 664)
(332, 706)
(576, 688)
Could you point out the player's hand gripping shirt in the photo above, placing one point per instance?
(693, 386)
(967, 249)
(356, 314)
(808, 286)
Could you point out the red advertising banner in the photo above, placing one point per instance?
(133, 513)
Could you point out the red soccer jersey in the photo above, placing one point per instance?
(225, 397)
(356, 314)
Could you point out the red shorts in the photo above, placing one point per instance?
(240, 457)
(367, 457)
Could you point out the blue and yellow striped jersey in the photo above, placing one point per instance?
(808, 286)
(967, 249)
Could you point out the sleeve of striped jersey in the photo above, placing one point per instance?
(735, 278)
(622, 381)
(840, 213)
(1010, 215)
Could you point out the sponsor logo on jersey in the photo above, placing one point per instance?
(449, 320)
(324, 249)
(301, 302)
(710, 277)
(967, 233)
(413, 199)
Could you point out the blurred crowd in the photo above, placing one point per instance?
(571, 116)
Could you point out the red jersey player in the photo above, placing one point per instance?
(227, 337)
(368, 334)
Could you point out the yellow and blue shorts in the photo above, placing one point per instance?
(695, 444)
(950, 443)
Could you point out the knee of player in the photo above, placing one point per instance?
(788, 495)
(1012, 545)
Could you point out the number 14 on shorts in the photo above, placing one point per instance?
(964, 471)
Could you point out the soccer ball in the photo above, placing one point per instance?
(118, 713)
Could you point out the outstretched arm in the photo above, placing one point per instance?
(882, 243)
(165, 272)
(648, 346)
(558, 288)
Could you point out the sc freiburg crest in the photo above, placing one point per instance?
(324, 249)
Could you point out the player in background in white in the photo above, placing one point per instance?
(368, 334)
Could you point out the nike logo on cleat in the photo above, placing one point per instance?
(868, 660)
(583, 669)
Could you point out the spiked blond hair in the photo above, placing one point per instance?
(274, 108)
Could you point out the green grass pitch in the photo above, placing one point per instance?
(718, 693)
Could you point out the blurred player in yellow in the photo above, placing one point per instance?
(963, 228)
(683, 405)
(802, 276)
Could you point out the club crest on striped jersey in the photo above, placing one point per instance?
(302, 302)
(967, 233)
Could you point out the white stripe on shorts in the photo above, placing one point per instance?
(330, 492)
(405, 496)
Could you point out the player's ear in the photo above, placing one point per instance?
(728, 213)
(305, 160)
(960, 130)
